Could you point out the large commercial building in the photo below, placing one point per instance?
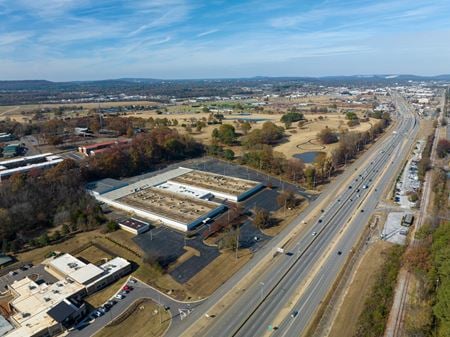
(41, 309)
(26, 164)
(180, 198)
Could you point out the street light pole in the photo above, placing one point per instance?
(262, 290)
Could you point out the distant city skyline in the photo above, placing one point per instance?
(63, 40)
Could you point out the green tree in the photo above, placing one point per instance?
(112, 226)
(43, 240)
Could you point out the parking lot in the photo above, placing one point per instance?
(393, 231)
(409, 180)
(168, 246)
(36, 272)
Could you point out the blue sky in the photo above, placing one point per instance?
(98, 39)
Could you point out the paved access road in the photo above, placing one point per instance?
(140, 291)
(260, 305)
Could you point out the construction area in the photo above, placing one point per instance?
(180, 198)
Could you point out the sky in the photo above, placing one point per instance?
(64, 40)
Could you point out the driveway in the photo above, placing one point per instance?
(141, 290)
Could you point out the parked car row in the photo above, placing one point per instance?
(119, 296)
(23, 268)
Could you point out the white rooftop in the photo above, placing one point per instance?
(66, 264)
(145, 183)
(86, 274)
(33, 301)
(183, 189)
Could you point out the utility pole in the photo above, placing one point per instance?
(262, 290)
(237, 241)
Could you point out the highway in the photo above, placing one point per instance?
(268, 302)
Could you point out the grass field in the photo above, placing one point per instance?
(144, 321)
(216, 273)
(346, 320)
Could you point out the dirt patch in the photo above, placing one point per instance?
(346, 320)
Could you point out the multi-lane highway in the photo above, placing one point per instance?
(286, 295)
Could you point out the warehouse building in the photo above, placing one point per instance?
(221, 186)
(26, 164)
(179, 198)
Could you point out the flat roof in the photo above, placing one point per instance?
(30, 167)
(86, 274)
(113, 142)
(133, 223)
(144, 183)
(216, 182)
(111, 267)
(33, 300)
(66, 264)
(183, 189)
(25, 159)
(168, 204)
(105, 185)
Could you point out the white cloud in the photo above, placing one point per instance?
(208, 32)
(13, 38)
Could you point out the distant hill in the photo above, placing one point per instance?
(133, 82)
(41, 91)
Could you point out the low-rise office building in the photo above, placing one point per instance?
(134, 226)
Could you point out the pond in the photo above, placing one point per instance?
(307, 157)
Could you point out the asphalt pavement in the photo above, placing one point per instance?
(261, 303)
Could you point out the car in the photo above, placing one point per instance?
(102, 310)
(350, 187)
(124, 292)
(294, 313)
(320, 220)
(132, 280)
(120, 296)
(127, 288)
(322, 210)
(314, 233)
(339, 252)
(362, 211)
(339, 200)
(97, 313)
(12, 273)
(357, 190)
(365, 187)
